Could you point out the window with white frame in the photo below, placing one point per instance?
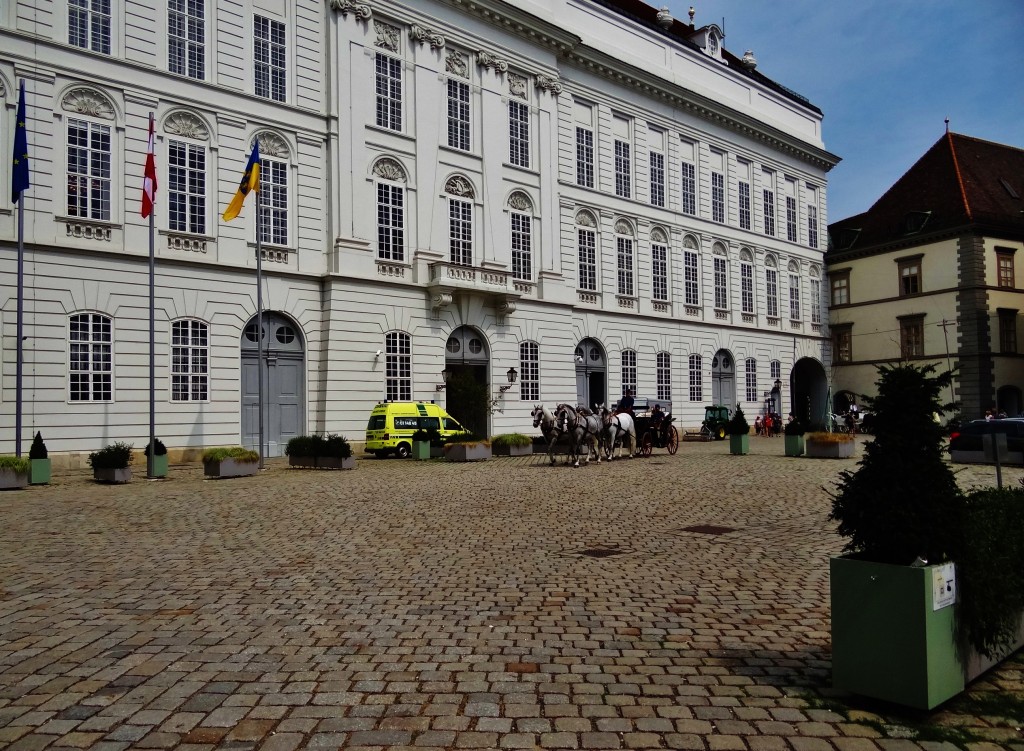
(812, 225)
(696, 379)
(190, 361)
(584, 157)
(775, 367)
(791, 219)
(771, 289)
(529, 372)
(586, 244)
(89, 158)
(623, 170)
(659, 266)
(689, 188)
(90, 358)
(518, 134)
(522, 253)
(389, 91)
(398, 366)
(815, 297)
(717, 197)
(273, 201)
(186, 38)
(624, 257)
(691, 272)
(628, 371)
(460, 232)
(746, 283)
(721, 283)
(751, 377)
(186, 187)
(390, 222)
(768, 201)
(657, 179)
(663, 374)
(458, 114)
(89, 25)
(744, 198)
(270, 58)
(794, 293)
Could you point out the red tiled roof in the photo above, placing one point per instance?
(960, 181)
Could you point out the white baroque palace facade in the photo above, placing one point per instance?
(597, 199)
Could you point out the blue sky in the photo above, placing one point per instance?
(886, 73)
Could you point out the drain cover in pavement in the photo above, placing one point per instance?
(708, 529)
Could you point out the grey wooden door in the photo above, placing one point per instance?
(283, 384)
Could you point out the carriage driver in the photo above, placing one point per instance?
(625, 404)
(657, 416)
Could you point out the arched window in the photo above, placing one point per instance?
(815, 301)
(663, 373)
(460, 221)
(659, 264)
(90, 357)
(628, 370)
(190, 361)
(187, 138)
(521, 226)
(624, 256)
(747, 281)
(390, 179)
(398, 366)
(696, 379)
(691, 270)
(586, 244)
(750, 366)
(771, 287)
(794, 291)
(529, 372)
(91, 130)
(721, 278)
(776, 370)
(273, 195)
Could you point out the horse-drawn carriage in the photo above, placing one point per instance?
(664, 435)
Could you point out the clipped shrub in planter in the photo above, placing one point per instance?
(739, 433)
(468, 448)
(159, 458)
(320, 452)
(829, 445)
(794, 437)
(39, 460)
(512, 444)
(14, 471)
(230, 461)
(111, 463)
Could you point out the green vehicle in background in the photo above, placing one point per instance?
(715, 418)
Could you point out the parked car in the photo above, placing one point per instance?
(968, 436)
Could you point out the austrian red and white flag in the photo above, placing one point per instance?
(149, 182)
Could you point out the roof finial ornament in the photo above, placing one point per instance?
(665, 19)
(748, 60)
(947, 125)
(692, 14)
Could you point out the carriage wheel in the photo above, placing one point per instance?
(646, 444)
(673, 440)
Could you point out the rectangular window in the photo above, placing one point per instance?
(186, 191)
(89, 25)
(1007, 331)
(389, 92)
(587, 244)
(815, 301)
(747, 287)
(912, 336)
(771, 290)
(663, 375)
(791, 219)
(744, 194)
(751, 379)
(625, 265)
(390, 222)
(89, 158)
(460, 232)
(812, 226)
(529, 372)
(186, 42)
(269, 54)
(690, 276)
(689, 186)
(768, 201)
(794, 297)
(518, 134)
(842, 338)
(717, 197)
(521, 253)
(90, 358)
(458, 114)
(628, 371)
(696, 379)
(623, 170)
(657, 179)
(273, 199)
(1004, 264)
(910, 277)
(840, 284)
(775, 367)
(721, 284)
(584, 157)
(190, 361)
(659, 271)
(398, 366)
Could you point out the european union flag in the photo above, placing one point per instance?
(20, 172)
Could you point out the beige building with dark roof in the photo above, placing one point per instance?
(928, 274)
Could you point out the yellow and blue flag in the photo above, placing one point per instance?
(250, 182)
(20, 181)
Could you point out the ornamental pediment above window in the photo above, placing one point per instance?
(85, 101)
(457, 64)
(520, 201)
(389, 169)
(186, 125)
(388, 36)
(459, 186)
(273, 145)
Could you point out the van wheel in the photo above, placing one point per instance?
(403, 451)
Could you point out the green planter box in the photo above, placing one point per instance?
(39, 472)
(739, 444)
(421, 449)
(160, 465)
(794, 445)
(889, 641)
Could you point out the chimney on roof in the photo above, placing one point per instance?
(947, 125)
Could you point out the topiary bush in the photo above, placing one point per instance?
(737, 424)
(38, 448)
(158, 448)
(794, 427)
(115, 456)
(421, 436)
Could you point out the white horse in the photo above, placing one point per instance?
(584, 431)
(616, 427)
(543, 419)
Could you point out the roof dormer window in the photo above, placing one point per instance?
(709, 38)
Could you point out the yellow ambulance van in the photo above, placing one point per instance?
(391, 425)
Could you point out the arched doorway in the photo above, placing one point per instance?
(284, 378)
(591, 373)
(723, 379)
(809, 389)
(467, 393)
(1008, 400)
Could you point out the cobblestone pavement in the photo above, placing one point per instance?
(675, 602)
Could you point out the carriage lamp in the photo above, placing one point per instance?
(445, 375)
(778, 385)
(512, 375)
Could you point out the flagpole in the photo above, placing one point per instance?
(259, 316)
(151, 459)
(21, 325)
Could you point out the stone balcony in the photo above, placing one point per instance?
(449, 279)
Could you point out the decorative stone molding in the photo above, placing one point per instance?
(362, 12)
(422, 34)
(626, 302)
(748, 60)
(585, 219)
(275, 255)
(549, 83)
(773, 322)
(459, 186)
(588, 298)
(387, 35)
(658, 236)
(487, 60)
(186, 125)
(186, 243)
(457, 64)
(689, 242)
(721, 315)
(520, 201)
(523, 288)
(389, 169)
(660, 307)
(3, 89)
(665, 19)
(272, 145)
(623, 227)
(390, 269)
(87, 230)
(747, 318)
(88, 102)
(692, 311)
(517, 85)
(506, 307)
(441, 300)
